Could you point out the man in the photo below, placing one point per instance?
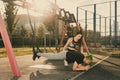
(80, 62)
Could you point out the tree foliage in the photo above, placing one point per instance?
(10, 18)
(49, 22)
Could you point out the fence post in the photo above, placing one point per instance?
(115, 41)
(94, 25)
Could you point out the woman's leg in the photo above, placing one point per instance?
(78, 67)
(60, 55)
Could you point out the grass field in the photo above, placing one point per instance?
(26, 50)
(23, 51)
(108, 51)
(17, 51)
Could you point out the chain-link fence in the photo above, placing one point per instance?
(100, 22)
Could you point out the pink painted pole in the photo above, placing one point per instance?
(8, 48)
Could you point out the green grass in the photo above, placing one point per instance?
(105, 51)
(26, 51)
(16, 51)
(23, 51)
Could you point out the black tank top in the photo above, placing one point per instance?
(74, 44)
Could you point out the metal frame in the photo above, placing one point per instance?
(94, 19)
(8, 48)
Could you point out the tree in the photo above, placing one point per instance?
(41, 31)
(40, 34)
(23, 33)
(10, 12)
(49, 22)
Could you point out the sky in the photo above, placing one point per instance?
(39, 7)
(43, 5)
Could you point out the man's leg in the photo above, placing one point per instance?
(60, 55)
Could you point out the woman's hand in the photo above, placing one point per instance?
(66, 45)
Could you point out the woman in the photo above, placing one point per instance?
(73, 55)
(78, 40)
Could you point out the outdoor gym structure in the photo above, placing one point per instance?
(67, 18)
(104, 17)
(63, 15)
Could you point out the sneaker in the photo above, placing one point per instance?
(38, 57)
(34, 56)
(65, 63)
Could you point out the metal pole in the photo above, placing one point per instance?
(56, 27)
(94, 25)
(105, 32)
(63, 36)
(8, 47)
(115, 41)
(85, 24)
(100, 25)
(56, 32)
(77, 14)
(55, 1)
(45, 41)
(110, 24)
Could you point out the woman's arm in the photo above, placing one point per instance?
(77, 67)
(70, 48)
(66, 45)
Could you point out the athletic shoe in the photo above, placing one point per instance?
(34, 56)
(65, 63)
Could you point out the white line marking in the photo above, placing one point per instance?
(43, 66)
(89, 69)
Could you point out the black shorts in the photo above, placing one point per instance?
(72, 56)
